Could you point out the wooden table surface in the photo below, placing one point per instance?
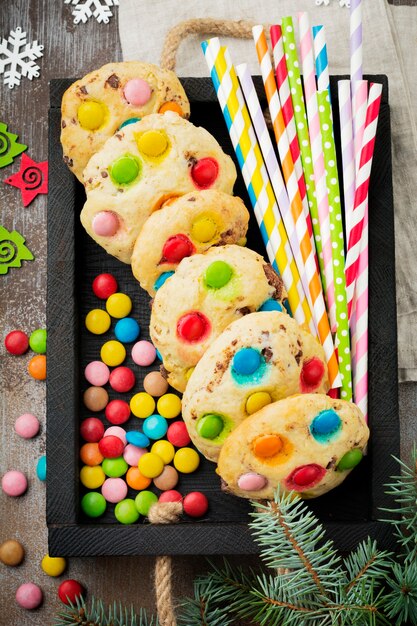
(68, 51)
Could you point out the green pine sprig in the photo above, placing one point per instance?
(97, 614)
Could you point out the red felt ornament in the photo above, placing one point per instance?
(31, 179)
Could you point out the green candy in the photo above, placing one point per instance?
(144, 500)
(350, 460)
(210, 426)
(126, 512)
(115, 467)
(125, 169)
(218, 274)
(93, 504)
(37, 341)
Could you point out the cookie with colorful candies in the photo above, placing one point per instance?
(186, 225)
(206, 293)
(142, 166)
(306, 443)
(96, 106)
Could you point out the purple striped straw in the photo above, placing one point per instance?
(356, 60)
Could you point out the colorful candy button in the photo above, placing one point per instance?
(210, 426)
(95, 398)
(143, 353)
(246, 361)
(137, 439)
(312, 374)
(92, 477)
(126, 512)
(37, 367)
(177, 248)
(114, 468)
(131, 120)
(136, 480)
(167, 480)
(127, 330)
(113, 353)
(12, 552)
(27, 426)
(137, 91)
(116, 431)
(177, 434)
(155, 384)
(29, 596)
(132, 454)
(125, 169)
(350, 460)
(204, 229)
(37, 340)
(97, 321)
(41, 468)
(186, 460)
(142, 404)
(164, 449)
(97, 373)
(122, 379)
(257, 401)
(90, 454)
(251, 481)
(270, 305)
(169, 405)
(14, 483)
(155, 426)
(150, 465)
(92, 429)
(91, 115)
(111, 447)
(218, 274)
(69, 590)
(119, 305)
(93, 504)
(267, 445)
(104, 286)
(53, 565)
(16, 342)
(172, 495)
(105, 224)
(204, 173)
(325, 425)
(144, 500)
(171, 106)
(117, 412)
(152, 143)
(114, 490)
(305, 476)
(193, 327)
(162, 278)
(195, 504)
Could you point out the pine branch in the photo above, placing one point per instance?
(401, 601)
(367, 564)
(96, 614)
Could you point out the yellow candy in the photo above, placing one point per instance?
(189, 372)
(142, 404)
(150, 465)
(152, 143)
(203, 229)
(257, 401)
(169, 405)
(92, 477)
(186, 460)
(91, 115)
(113, 353)
(53, 566)
(164, 449)
(119, 305)
(97, 321)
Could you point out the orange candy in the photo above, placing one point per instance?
(37, 367)
(90, 454)
(267, 445)
(136, 480)
(171, 106)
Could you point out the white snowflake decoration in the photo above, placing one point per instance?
(83, 10)
(17, 58)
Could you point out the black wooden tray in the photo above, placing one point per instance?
(349, 513)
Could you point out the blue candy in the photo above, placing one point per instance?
(161, 279)
(131, 120)
(41, 468)
(127, 330)
(270, 305)
(325, 425)
(158, 354)
(155, 426)
(137, 439)
(246, 361)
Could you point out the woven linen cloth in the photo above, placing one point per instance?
(389, 47)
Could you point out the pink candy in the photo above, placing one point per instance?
(97, 373)
(29, 596)
(105, 224)
(114, 489)
(14, 483)
(27, 426)
(117, 431)
(251, 482)
(132, 454)
(137, 92)
(143, 353)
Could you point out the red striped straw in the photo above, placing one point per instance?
(361, 191)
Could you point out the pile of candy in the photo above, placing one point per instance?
(17, 342)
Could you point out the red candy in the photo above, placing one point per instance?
(177, 248)
(111, 447)
(92, 429)
(193, 327)
(122, 379)
(68, 591)
(117, 411)
(195, 504)
(104, 285)
(16, 342)
(204, 173)
(172, 495)
(312, 374)
(305, 476)
(177, 434)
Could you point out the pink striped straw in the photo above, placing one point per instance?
(361, 191)
(307, 59)
(348, 151)
(359, 105)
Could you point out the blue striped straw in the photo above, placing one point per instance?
(322, 63)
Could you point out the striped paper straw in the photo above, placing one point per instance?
(325, 250)
(359, 105)
(356, 72)
(361, 191)
(322, 63)
(295, 225)
(348, 151)
(255, 177)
